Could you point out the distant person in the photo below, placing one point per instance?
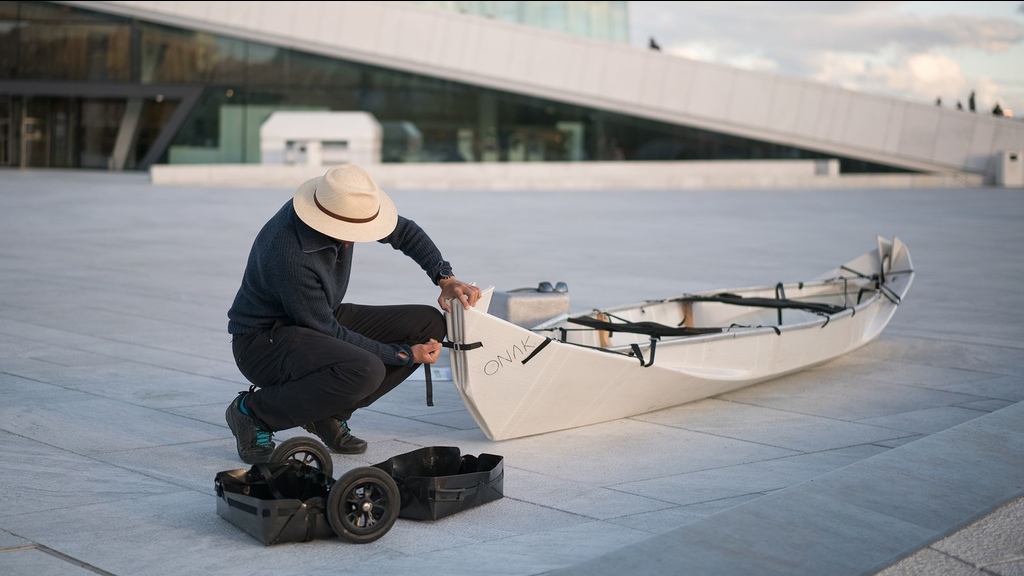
(959, 106)
(652, 44)
(997, 110)
(312, 358)
(938, 101)
(970, 101)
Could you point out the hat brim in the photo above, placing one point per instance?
(382, 225)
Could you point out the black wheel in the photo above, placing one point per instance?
(307, 450)
(363, 504)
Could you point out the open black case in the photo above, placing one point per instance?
(438, 481)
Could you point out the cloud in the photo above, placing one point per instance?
(913, 76)
(868, 46)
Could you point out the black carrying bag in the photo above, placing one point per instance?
(276, 502)
(438, 481)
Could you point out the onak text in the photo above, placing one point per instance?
(516, 353)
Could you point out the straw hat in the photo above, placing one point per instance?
(346, 204)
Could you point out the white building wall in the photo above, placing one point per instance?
(575, 176)
(614, 77)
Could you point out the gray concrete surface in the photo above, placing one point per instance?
(904, 457)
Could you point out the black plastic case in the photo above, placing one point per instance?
(289, 509)
(437, 481)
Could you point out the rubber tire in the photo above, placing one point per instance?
(363, 504)
(309, 451)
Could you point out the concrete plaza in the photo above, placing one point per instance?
(903, 457)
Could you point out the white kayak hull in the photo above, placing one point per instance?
(558, 375)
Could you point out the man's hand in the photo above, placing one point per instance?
(426, 353)
(455, 289)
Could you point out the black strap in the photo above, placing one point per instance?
(269, 478)
(880, 284)
(780, 303)
(640, 356)
(537, 349)
(860, 274)
(426, 367)
(778, 332)
(308, 513)
(780, 294)
(460, 346)
(652, 329)
(430, 385)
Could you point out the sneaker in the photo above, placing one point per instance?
(336, 435)
(255, 445)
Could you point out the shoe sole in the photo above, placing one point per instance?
(358, 450)
(343, 450)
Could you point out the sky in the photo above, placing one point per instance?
(917, 51)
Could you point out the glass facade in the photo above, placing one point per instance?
(82, 89)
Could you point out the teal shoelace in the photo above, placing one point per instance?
(263, 438)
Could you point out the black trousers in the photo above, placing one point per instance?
(303, 375)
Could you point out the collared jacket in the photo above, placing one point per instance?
(298, 276)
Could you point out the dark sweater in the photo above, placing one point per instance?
(299, 276)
